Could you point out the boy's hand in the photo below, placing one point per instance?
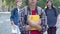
(38, 22)
(39, 28)
(35, 25)
(27, 27)
(31, 23)
(13, 25)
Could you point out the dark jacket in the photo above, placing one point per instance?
(14, 16)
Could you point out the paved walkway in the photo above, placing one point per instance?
(5, 26)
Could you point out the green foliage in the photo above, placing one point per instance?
(57, 4)
(41, 3)
(23, 3)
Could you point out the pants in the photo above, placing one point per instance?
(51, 30)
(16, 30)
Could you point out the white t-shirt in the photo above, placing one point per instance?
(18, 10)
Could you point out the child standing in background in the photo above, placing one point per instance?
(14, 17)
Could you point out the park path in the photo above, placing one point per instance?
(5, 26)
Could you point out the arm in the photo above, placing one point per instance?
(11, 19)
(39, 25)
(56, 12)
(43, 21)
(12, 15)
(35, 25)
(22, 23)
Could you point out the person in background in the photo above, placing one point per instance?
(33, 9)
(14, 17)
(52, 14)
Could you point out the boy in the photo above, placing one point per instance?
(14, 17)
(33, 9)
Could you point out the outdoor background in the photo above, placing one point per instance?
(7, 5)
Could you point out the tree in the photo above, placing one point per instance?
(41, 3)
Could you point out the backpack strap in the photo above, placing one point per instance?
(39, 10)
(26, 12)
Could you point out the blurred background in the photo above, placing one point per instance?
(7, 5)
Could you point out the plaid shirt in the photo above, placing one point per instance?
(22, 24)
